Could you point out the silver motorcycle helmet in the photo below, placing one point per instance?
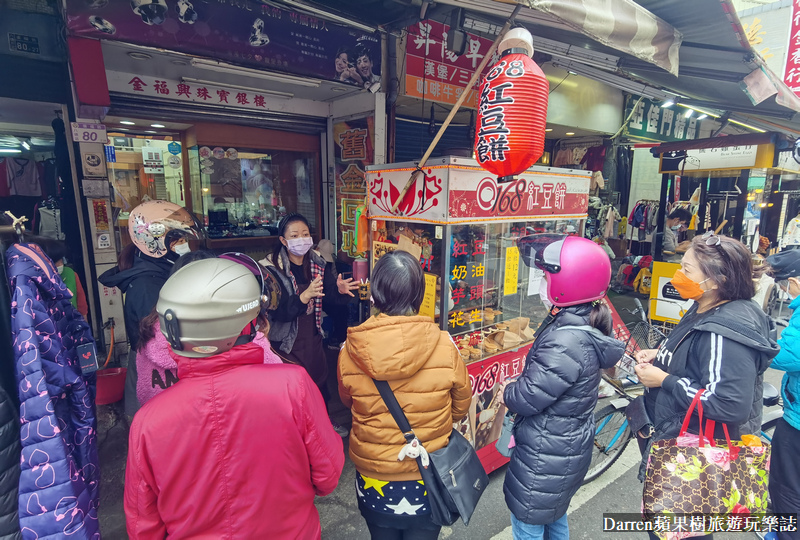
(204, 307)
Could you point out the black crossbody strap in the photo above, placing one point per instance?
(394, 408)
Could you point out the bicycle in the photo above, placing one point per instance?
(612, 432)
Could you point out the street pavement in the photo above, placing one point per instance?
(616, 491)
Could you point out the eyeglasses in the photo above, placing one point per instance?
(712, 239)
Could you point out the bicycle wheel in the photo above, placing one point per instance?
(612, 434)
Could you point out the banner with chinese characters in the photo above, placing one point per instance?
(242, 32)
(354, 151)
(791, 72)
(464, 193)
(220, 94)
(652, 122)
(436, 74)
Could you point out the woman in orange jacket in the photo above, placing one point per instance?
(429, 379)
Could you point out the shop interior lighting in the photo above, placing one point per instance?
(699, 111)
(274, 93)
(748, 126)
(667, 104)
(25, 145)
(702, 116)
(688, 113)
(329, 16)
(158, 125)
(568, 133)
(10, 151)
(616, 81)
(151, 131)
(548, 130)
(127, 123)
(230, 69)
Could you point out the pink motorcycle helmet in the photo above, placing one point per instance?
(577, 270)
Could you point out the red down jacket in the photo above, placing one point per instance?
(235, 449)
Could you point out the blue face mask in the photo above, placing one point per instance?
(675, 228)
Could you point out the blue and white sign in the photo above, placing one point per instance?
(111, 154)
(174, 148)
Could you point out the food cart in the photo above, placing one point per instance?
(462, 226)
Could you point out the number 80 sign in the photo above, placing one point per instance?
(89, 133)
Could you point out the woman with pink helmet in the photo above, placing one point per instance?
(555, 396)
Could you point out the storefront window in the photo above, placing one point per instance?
(246, 192)
(143, 169)
(492, 297)
(757, 202)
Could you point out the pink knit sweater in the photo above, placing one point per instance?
(157, 371)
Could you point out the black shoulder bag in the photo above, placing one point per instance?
(455, 478)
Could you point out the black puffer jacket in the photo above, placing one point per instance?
(555, 399)
(10, 450)
(140, 284)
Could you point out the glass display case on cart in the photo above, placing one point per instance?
(463, 227)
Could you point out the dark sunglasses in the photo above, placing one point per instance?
(711, 239)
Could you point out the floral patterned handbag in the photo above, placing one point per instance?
(696, 475)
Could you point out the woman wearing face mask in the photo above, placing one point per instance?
(555, 397)
(784, 473)
(722, 344)
(296, 326)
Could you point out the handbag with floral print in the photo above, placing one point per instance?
(696, 475)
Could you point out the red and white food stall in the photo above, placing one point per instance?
(462, 225)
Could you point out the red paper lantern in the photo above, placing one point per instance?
(512, 115)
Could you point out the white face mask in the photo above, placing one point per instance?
(60, 269)
(675, 228)
(543, 294)
(299, 246)
(182, 249)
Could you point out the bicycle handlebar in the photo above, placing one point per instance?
(640, 308)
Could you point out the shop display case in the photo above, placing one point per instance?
(462, 226)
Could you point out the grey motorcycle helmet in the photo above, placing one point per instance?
(204, 306)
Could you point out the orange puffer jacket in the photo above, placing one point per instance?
(428, 378)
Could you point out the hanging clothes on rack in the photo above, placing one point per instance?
(594, 158)
(23, 177)
(48, 219)
(640, 224)
(58, 487)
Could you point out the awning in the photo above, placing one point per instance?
(622, 25)
(698, 51)
(718, 67)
